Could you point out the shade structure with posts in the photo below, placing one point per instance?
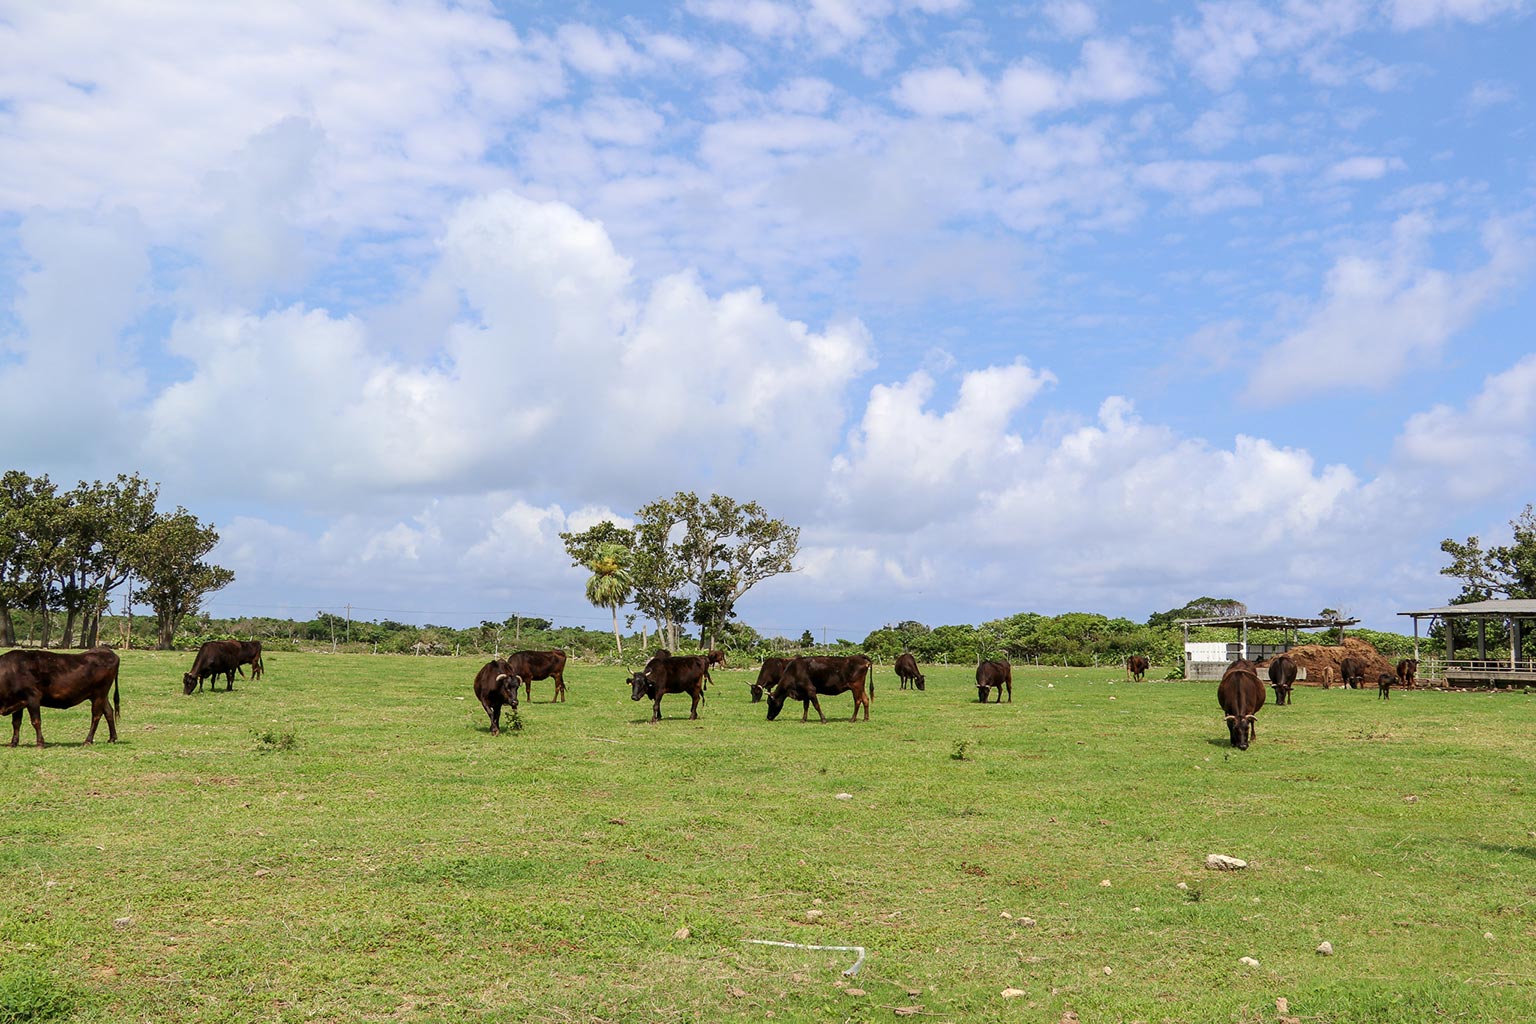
(1514, 614)
(1200, 664)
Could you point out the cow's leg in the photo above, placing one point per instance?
(656, 709)
(96, 703)
(818, 709)
(106, 708)
(528, 687)
(805, 710)
(560, 686)
(1010, 691)
(694, 713)
(37, 722)
(16, 727)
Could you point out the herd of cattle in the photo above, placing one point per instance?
(32, 680)
(1241, 695)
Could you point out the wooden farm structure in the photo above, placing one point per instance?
(1209, 660)
(1481, 670)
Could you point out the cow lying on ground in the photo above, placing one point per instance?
(804, 679)
(1384, 685)
(994, 674)
(663, 675)
(1407, 672)
(1282, 676)
(32, 680)
(1136, 667)
(531, 665)
(768, 677)
(1240, 695)
(1352, 671)
(496, 687)
(216, 658)
(906, 671)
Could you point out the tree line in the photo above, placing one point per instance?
(64, 554)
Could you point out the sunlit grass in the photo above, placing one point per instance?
(344, 840)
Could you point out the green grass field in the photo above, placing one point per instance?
(343, 840)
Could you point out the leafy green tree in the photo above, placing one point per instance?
(173, 577)
(1508, 570)
(102, 524)
(1199, 608)
(807, 640)
(727, 548)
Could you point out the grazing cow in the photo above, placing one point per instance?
(32, 680)
(1136, 667)
(906, 671)
(1282, 676)
(997, 674)
(664, 675)
(1352, 671)
(768, 677)
(1241, 695)
(496, 686)
(531, 665)
(1407, 672)
(1384, 685)
(806, 678)
(215, 658)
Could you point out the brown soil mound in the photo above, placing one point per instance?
(1316, 659)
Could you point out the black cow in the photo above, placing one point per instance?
(804, 678)
(1136, 667)
(997, 674)
(215, 658)
(531, 665)
(1407, 672)
(1282, 676)
(32, 680)
(496, 686)
(663, 675)
(906, 671)
(1384, 685)
(768, 677)
(1352, 671)
(1241, 695)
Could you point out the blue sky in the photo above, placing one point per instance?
(1041, 306)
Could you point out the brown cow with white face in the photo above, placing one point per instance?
(31, 680)
(1241, 695)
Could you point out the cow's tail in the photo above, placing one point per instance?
(871, 678)
(117, 707)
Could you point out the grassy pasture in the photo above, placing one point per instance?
(344, 841)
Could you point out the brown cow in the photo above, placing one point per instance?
(1136, 667)
(215, 658)
(1384, 685)
(496, 686)
(250, 654)
(531, 665)
(32, 680)
(663, 675)
(1407, 672)
(1241, 695)
(768, 677)
(805, 678)
(1352, 671)
(997, 673)
(906, 671)
(1282, 676)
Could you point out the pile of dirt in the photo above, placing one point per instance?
(1317, 658)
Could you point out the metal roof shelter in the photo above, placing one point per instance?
(1512, 612)
(1286, 622)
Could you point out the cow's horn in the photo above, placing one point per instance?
(1231, 718)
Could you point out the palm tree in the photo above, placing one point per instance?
(609, 586)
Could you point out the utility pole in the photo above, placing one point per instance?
(349, 622)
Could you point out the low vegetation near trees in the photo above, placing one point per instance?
(344, 840)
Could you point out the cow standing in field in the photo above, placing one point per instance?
(215, 658)
(1282, 676)
(906, 671)
(806, 678)
(250, 654)
(768, 677)
(1241, 695)
(1407, 672)
(1384, 685)
(663, 675)
(994, 674)
(1136, 667)
(496, 687)
(1352, 671)
(32, 680)
(531, 665)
